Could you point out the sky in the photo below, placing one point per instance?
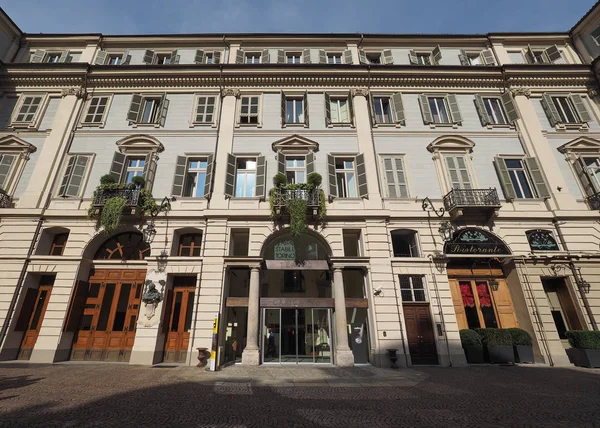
(287, 16)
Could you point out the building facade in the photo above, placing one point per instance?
(460, 189)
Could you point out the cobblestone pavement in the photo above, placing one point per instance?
(107, 395)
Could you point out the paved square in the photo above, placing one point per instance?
(107, 395)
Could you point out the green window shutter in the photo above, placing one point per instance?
(305, 107)
(310, 163)
(387, 56)
(464, 59)
(362, 57)
(412, 57)
(216, 57)
(64, 56)
(372, 109)
(118, 166)
(552, 53)
(582, 111)
(6, 162)
(507, 186)
(164, 107)
(65, 181)
(510, 108)
(149, 171)
(239, 56)
(134, 108)
(322, 56)
(327, 109)
(436, 55)
(487, 57)
(333, 190)
(261, 172)
(126, 58)
(283, 109)
(280, 163)
(174, 58)
(280, 56)
(265, 57)
(582, 175)
(306, 56)
(230, 177)
(361, 175)
(38, 56)
(350, 107)
(457, 172)
(77, 175)
(398, 106)
(199, 57)
(148, 57)
(101, 58)
(179, 179)
(425, 110)
(348, 57)
(550, 110)
(210, 167)
(395, 178)
(484, 117)
(454, 110)
(538, 178)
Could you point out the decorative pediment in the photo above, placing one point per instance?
(581, 144)
(295, 144)
(14, 144)
(140, 143)
(451, 142)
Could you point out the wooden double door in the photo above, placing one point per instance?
(108, 317)
(177, 320)
(32, 314)
(420, 335)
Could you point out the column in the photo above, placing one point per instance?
(343, 354)
(251, 354)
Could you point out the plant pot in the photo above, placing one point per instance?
(584, 357)
(524, 354)
(474, 354)
(500, 354)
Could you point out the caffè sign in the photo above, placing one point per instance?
(471, 241)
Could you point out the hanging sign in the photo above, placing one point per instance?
(541, 240)
(471, 241)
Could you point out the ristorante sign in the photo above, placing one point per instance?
(474, 242)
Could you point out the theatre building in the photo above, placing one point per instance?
(313, 199)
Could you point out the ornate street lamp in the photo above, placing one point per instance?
(149, 232)
(446, 230)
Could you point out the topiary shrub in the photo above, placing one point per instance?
(583, 339)
(470, 338)
(112, 213)
(279, 180)
(314, 180)
(107, 179)
(138, 181)
(494, 337)
(520, 337)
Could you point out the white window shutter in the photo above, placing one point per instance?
(6, 162)
(484, 117)
(38, 56)
(486, 57)
(425, 109)
(436, 55)
(322, 56)
(579, 104)
(174, 58)
(126, 58)
(77, 175)
(458, 172)
(305, 108)
(398, 106)
(510, 108)
(230, 176)
(361, 176)
(454, 110)
(216, 57)
(550, 110)
(529, 55)
(261, 169)
(387, 56)
(210, 167)
(280, 56)
(118, 166)
(584, 178)
(283, 109)
(331, 175)
(464, 59)
(64, 183)
(538, 178)
(101, 58)
(199, 57)
(505, 181)
(362, 57)
(280, 163)
(348, 57)
(148, 57)
(134, 108)
(306, 56)
(149, 171)
(64, 56)
(412, 57)
(164, 106)
(179, 178)
(327, 109)
(552, 54)
(265, 57)
(239, 56)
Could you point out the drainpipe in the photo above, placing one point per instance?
(221, 98)
(441, 312)
(401, 325)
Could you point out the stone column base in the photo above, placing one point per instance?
(344, 358)
(250, 357)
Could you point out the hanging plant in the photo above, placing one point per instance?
(112, 213)
(297, 209)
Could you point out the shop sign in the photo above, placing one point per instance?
(285, 250)
(541, 240)
(472, 241)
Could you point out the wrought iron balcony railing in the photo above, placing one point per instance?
(282, 196)
(471, 198)
(132, 196)
(5, 199)
(594, 201)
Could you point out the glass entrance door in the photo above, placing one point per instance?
(296, 336)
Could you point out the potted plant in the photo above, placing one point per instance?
(522, 345)
(471, 343)
(585, 351)
(139, 181)
(497, 344)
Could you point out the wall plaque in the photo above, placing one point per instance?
(541, 240)
(471, 241)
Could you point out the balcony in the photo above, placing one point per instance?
(475, 202)
(281, 198)
(594, 201)
(132, 196)
(5, 199)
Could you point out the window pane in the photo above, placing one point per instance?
(106, 305)
(200, 180)
(469, 304)
(38, 310)
(188, 312)
(351, 185)
(251, 180)
(485, 305)
(240, 183)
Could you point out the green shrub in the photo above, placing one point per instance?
(139, 181)
(107, 179)
(495, 336)
(112, 213)
(279, 180)
(314, 180)
(584, 339)
(470, 338)
(520, 337)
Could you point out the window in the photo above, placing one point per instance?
(395, 177)
(338, 109)
(205, 109)
(412, 288)
(249, 109)
(493, 107)
(293, 281)
(50, 57)
(28, 110)
(543, 56)
(458, 172)
(351, 240)
(346, 177)
(14, 154)
(592, 168)
(148, 110)
(596, 36)
(439, 109)
(383, 110)
(245, 181)
(252, 58)
(151, 57)
(374, 58)
(404, 243)
(112, 58)
(432, 57)
(238, 244)
(295, 169)
(478, 304)
(7, 163)
(58, 244)
(163, 59)
(424, 58)
(96, 109)
(519, 178)
(293, 58)
(189, 245)
(496, 110)
(294, 110)
(209, 58)
(73, 180)
(334, 58)
(115, 59)
(135, 168)
(485, 57)
(202, 57)
(565, 109)
(195, 178)
(53, 57)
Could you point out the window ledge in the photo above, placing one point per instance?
(144, 125)
(560, 127)
(249, 198)
(91, 125)
(387, 125)
(443, 125)
(295, 125)
(499, 126)
(248, 125)
(203, 124)
(341, 125)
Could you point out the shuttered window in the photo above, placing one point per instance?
(249, 110)
(338, 109)
(395, 177)
(245, 179)
(96, 110)
(148, 109)
(336, 58)
(383, 110)
(521, 178)
(565, 109)
(495, 112)
(28, 109)
(6, 167)
(346, 177)
(193, 176)
(458, 172)
(205, 109)
(592, 168)
(76, 169)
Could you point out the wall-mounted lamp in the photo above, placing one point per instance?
(161, 261)
(446, 230)
(494, 284)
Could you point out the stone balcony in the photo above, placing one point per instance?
(281, 197)
(472, 202)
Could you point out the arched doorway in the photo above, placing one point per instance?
(104, 309)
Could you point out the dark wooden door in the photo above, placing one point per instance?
(420, 335)
(32, 314)
(178, 320)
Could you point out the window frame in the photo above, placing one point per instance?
(191, 247)
(492, 117)
(194, 158)
(295, 169)
(11, 145)
(84, 180)
(54, 245)
(158, 55)
(412, 288)
(594, 178)
(446, 108)
(561, 112)
(239, 122)
(296, 96)
(162, 97)
(528, 178)
(385, 193)
(216, 110)
(337, 98)
(415, 244)
(392, 120)
(239, 157)
(346, 171)
(87, 107)
(423, 54)
(293, 54)
(255, 55)
(336, 55)
(38, 116)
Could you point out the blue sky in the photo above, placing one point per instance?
(322, 16)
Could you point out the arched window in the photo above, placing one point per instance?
(125, 246)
